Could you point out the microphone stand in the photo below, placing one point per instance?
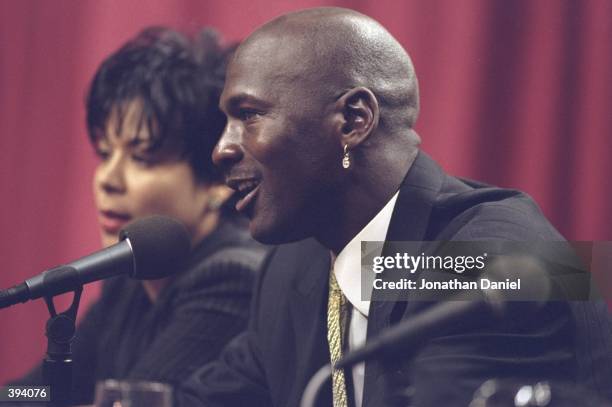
(315, 385)
(312, 392)
(57, 367)
(411, 333)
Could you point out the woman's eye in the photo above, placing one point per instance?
(142, 160)
(102, 155)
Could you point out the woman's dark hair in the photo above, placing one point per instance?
(178, 80)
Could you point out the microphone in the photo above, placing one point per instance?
(149, 249)
(447, 317)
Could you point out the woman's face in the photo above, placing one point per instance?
(131, 182)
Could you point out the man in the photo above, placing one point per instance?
(320, 144)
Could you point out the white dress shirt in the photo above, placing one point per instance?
(347, 268)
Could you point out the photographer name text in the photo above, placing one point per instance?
(454, 284)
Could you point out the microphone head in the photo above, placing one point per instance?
(536, 285)
(160, 245)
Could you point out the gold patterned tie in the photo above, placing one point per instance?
(335, 307)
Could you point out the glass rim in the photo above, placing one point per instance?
(132, 385)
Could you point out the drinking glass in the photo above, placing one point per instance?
(114, 393)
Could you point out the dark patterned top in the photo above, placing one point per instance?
(125, 336)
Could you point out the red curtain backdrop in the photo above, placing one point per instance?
(515, 93)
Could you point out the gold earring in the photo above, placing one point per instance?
(214, 204)
(346, 158)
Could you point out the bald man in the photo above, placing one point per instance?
(321, 151)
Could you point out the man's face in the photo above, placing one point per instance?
(278, 150)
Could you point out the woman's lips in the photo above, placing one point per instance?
(112, 222)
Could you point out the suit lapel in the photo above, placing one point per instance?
(417, 195)
(308, 313)
(409, 223)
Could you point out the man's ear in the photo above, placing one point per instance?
(359, 115)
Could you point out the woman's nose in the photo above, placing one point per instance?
(110, 174)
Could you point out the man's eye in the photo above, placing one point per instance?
(249, 115)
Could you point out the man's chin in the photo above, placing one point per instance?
(274, 234)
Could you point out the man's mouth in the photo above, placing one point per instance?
(246, 191)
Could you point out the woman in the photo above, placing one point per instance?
(153, 120)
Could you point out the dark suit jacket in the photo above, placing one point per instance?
(271, 363)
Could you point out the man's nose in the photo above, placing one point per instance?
(228, 150)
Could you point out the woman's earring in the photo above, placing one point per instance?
(346, 158)
(214, 204)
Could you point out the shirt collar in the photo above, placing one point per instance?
(347, 266)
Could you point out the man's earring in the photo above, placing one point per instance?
(346, 158)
